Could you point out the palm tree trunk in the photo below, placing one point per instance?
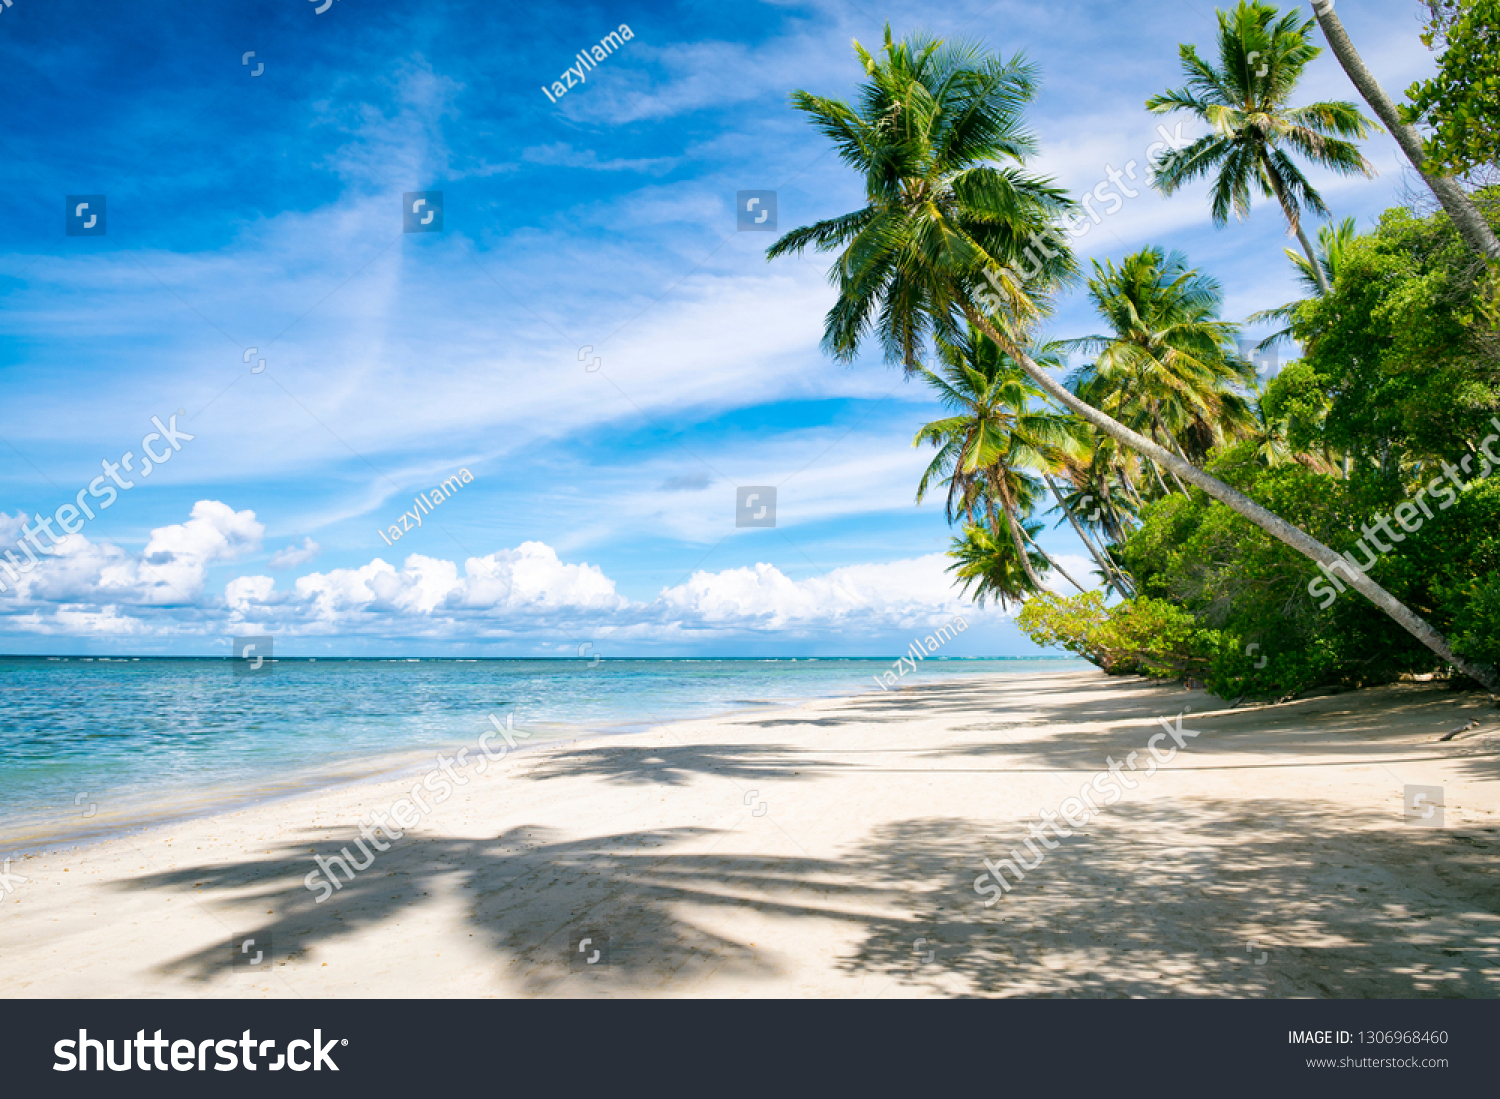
(1053, 563)
(1295, 221)
(1156, 469)
(1237, 501)
(1112, 576)
(1015, 538)
(1162, 427)
(1000, 498)
(1312, 257)
(1115, 522)
(1459, 207)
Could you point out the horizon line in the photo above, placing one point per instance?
(560, 659)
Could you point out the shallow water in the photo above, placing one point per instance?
(92, 746)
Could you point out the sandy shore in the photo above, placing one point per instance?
(832, 850)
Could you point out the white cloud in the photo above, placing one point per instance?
(529, 591)
(561, 154)
(293, 556)
(171, 571)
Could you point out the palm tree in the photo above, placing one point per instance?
(1245, 101)
(1108, 571)
(1090, 503)
(990, 449)
(1458, 205)
(1333, 245)
(1168, 364)
(949, 212)
(1278, 425)
(990, 562)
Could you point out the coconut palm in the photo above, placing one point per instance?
(1277, 426)
(1168, 365)
(949, 211)
(991, 449)
(1244, 100)
(1333, 244)
(1456, 203)
(994, 566)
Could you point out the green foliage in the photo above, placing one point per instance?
(1148, 636)
(1294, 399)
(938, 136)
(1254, 129)
(1459, 103)
(989, 563)
(1249, 625)
(1405, 347)
(1477, 629)
(1168, 365)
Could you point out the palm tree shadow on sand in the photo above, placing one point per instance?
(1197, 898)
(1193, 898)
(675, 765)
(531, 896)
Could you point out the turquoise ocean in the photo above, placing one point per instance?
(94, 746)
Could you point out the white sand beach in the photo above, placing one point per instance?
(832, 850)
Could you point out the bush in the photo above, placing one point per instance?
(1222, 601)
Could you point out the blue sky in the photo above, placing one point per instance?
(266, 212)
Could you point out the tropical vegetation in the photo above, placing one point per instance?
(1228, 517)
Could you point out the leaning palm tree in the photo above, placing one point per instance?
(1169, 365)
(1244, 99)
(949, 212)
(1333, 245)
(1456, 203)
(991, 448)
(1075, 453)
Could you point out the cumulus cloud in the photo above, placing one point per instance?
(500, 594)
(171, 570)
(527, 592)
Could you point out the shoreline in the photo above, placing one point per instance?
(826, 849)
(397, 764)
